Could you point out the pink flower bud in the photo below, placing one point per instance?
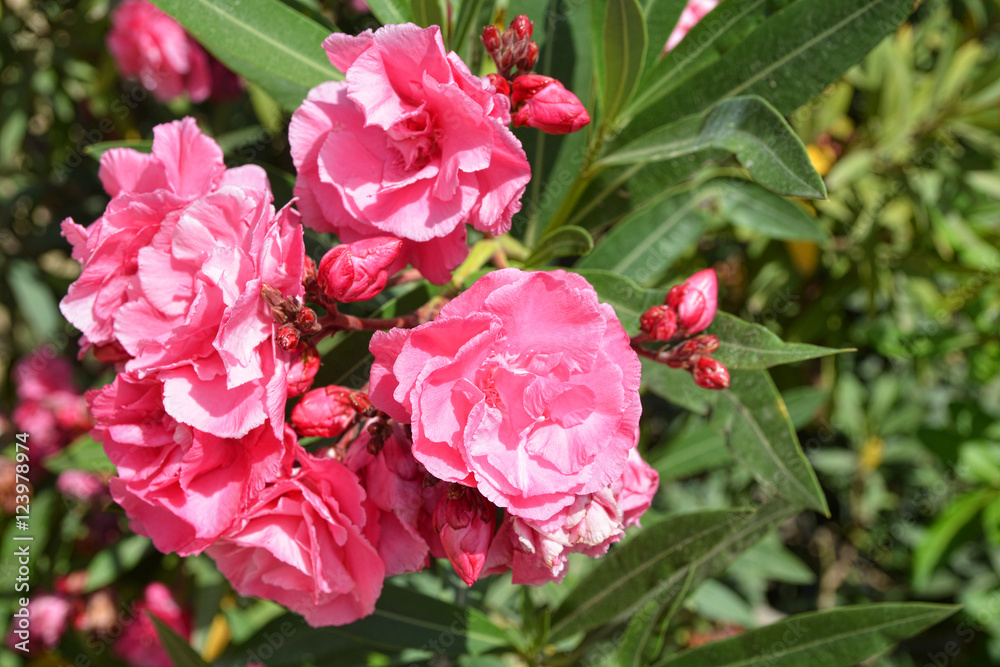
(325, 412)
(695, 301)
(288, 337)
(709, 373)
(659, 323)
(465, 522)
(543, 103)
(302, 370)
(358, 271)
(500, 84)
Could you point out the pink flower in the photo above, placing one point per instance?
(173, 273)
(48, 617)
(394, 482)
(411, 145)
(306, 543)
(635, 489)
(693, 13)
(49, 406)
(543, 103)
(81, 485)
(695, 302)
(525, 387)
(358, 271)
(466, 525)
(181, 487)
(139, 644)
(150, 46)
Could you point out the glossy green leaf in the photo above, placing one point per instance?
(177, 648)
(624, 42)
(391, 11)
(644, 246)
(676, 386)
(97, 150)
(939, 537)
(110, 564)
(693, 451)
(834, 638)
(568, 241)
(645, 630)
(761, 436)
(427, 12)
(468, 14)
(661, 19)
(265, 41)
(655, 563)
(627, 298)
(35, 301)
(84, 453)
(747, 205)
(745, 346)
(748, 127)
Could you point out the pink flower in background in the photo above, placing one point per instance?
(411, 145)
(693, 13)
(49, 618)
(139, 644)
(525, 387)
(151, 47)
(49, 407)
(306, 543)
(81, 485)
(394, 482)
(172, 274)
(179, 486)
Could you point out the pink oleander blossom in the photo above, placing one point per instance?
(48, 618)
(140, 644)
(180, 487)
(172, 273)
(148, 45)
(411, 145)
(49, 406)
(307, 543)
(693, 13)
(525, 387)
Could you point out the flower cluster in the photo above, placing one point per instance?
(154, 49)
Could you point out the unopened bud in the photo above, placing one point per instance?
(307, 321)
(709, 373)
(358, 271)
(500, 84)
(325, 412)
(659, 323)
(303, 369)
(465, 521)
(686, 354)
(695, 302)
(522, 26)
(360, 401)
(543, 103)
(378, 432)
(288, 337)
(491, 39)
(309, 272)
(527, 60)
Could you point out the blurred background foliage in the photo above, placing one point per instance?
(904, 431)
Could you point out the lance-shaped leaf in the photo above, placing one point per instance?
(661, 19)
(834, 638)
(624, 42)
(265, 41)
(654, 564)
(391, 11)
(180, 652)
(566, 241)
(746, 204)
(748, 127)
(427, 13)
(760, 434)
(746, 346)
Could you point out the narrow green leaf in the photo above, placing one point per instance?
(84, 453)
(180, 652)
(760, 435)
(676, 386)
(35, 301)
(468, 14)
(97, 150)
(568, 241)
(644, 245)
(267, 42)
(427, 13)
(748, 205)
(748, 127)
(110, 564)
(391, 11)
(745, 346)
(627, 298)
(624, 52)
(661, 19)
(835, 638)
(692, 452)
(645, 629)
(936, 541)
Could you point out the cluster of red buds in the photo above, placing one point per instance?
(328, 412)
(296, 321)
(688, 309)
(537, 101)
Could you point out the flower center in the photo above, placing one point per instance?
(415, 140)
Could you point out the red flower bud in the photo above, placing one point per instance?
(465, 522)
(522, 26)
(309, 271)
(491, 39)
(325, 412)
(709, 373)
(288, 337)
(358, 271)
(500, 83)
(659, 323)
(307, 321)
(526, 61)
(686, 354)
(543, 103)
(695, 301)
(303, 369)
